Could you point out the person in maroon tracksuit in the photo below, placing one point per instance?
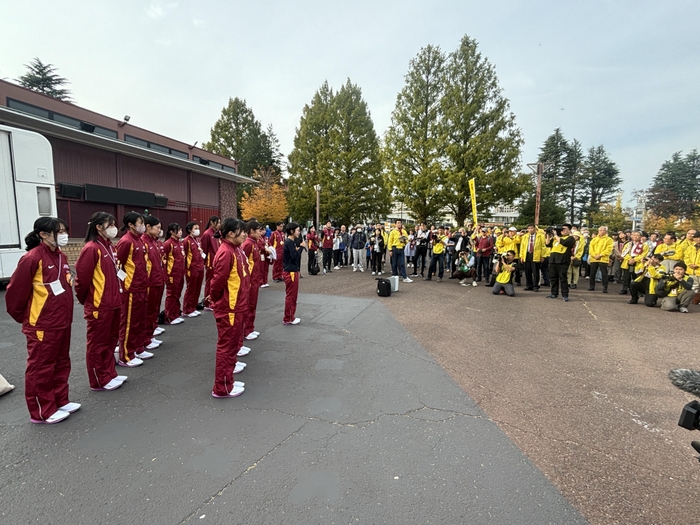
(40, 297)
(174, 257)
(265, 248)
(256, 260)
(99, 290)
(228, 299)
(211, 241)
(156, 278)
(277, 242)
(132, 259)
(194, 269)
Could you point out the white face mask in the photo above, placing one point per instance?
(140, 229)
(111, 232)
(62, 239)
(195, 233)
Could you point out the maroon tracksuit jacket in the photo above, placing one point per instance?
(98, 289)
(46, 322)
(174, 257)
(229, 284)
(133, 326)
(210, 245)
(277, 242)
(256, 264)
(194, 272)
(156, 283)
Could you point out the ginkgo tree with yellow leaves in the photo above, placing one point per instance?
(267, 202)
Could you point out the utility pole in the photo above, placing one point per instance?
(317, 187)
(539, 168)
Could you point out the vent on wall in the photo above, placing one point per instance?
(71, 191)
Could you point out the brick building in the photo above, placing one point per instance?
(105, 164)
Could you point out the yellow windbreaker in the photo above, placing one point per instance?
(602, 246)
(638, 259)
(538, 247)
(691, 255)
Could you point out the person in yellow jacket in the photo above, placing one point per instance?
(646, 282)
(691, 254)
(505, 271)
(671, 249)
(633, 255)
(574, 271)
(397, 242)
(600, 250)
(531, 253)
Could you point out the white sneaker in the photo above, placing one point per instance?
(70, 407)
(251, 336)
(177, 321)
(407, 280)
(263, 286)
(244, 351)
(210, 309)
(463, 282)
(336, 267)
(362, 269)
(240, 366)
(374, 273)
(255, 332)
(296, 320)
(121, 379)
(193, 314)
(156, 341)
(158, 331)
(131, 364)
(152, 346)
(235, 392)
(56, 417)
(144, 355)
(354, 269)
(114, 384)
(380, 273)
(474, 283)
(238, 383)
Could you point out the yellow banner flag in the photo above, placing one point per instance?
(473, 192)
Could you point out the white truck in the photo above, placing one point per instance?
(27, 191)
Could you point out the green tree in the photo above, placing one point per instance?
(601, 181)
(611, 215)
(675, 189)
(414, 146)
(43, 78)
(336, 146)
(553, 153)
(550, 212)
(482, 140)
(237, 134)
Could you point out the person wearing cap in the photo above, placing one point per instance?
(574, 270)
(559, 261)
(676, 290)
(483, 247)
(691, 254)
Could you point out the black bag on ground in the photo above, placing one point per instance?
(314, 267)
(383, 287)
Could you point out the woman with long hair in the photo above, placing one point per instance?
(174, 255)
(194, 269)
(40, 296)
(255, 258)
(228, 299)
(156, 278)
(98, 289)
(131, 256)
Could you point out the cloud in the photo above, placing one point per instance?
(158, 9)
(197, 22)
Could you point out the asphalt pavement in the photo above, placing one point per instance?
(346, 418)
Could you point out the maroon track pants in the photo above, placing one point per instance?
(172, 297)
(155, 297)
(291, 283)
(102, 337)
(194, 287)
(251, 307)
(277, 268)
(230, 330)
(48, 368)
(132, 324)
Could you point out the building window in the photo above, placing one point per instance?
(75, 123)
(105, 132)
(156, 147)
(28, 108)
(181, 154)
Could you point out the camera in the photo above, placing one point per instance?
(688, 381)
(551, 230)
(690, 416)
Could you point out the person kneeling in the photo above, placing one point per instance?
(676, 291)
(465, 269)
(504, 274)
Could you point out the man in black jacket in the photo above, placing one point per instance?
(559, 259)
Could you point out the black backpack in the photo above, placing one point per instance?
(314, 267)
(383, 287)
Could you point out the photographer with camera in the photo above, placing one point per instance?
(505, 271)
(646, 283)
(440, 241)
(561, 244)
(676, 290)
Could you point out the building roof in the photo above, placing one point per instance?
(12, 117)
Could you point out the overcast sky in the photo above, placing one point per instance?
(624, 74)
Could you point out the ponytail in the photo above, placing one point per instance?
(172, 227)
(42, 224)
(98, 218)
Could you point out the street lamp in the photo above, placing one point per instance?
(317, 187)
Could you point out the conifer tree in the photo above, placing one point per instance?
(43, 78)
